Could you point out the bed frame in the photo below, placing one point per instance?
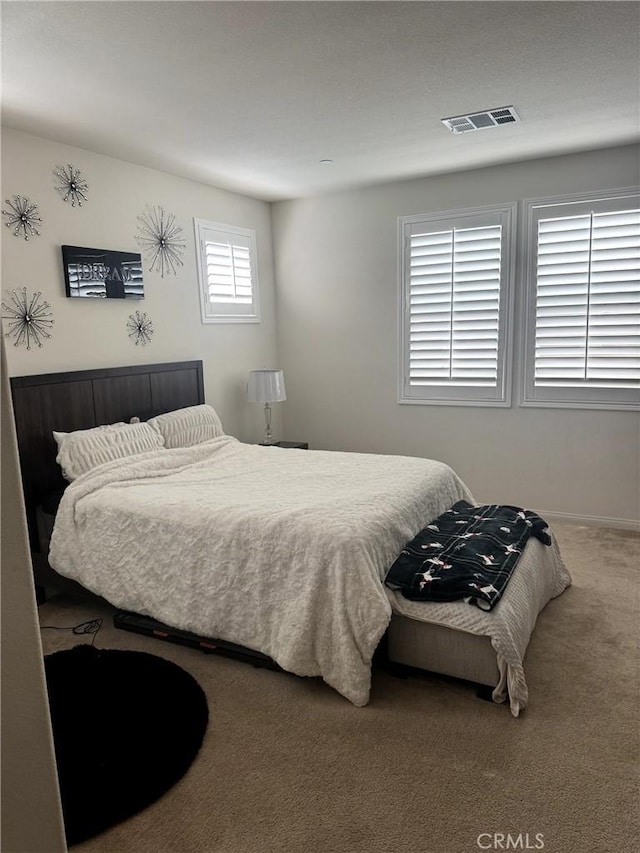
(88, 398)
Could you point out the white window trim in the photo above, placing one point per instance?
(561, 397)
(461, 395)
(247, 233)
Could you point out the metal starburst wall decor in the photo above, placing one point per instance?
(29, 319)
(22, 217)
(160, 238)
(73, 186)
(140, 328)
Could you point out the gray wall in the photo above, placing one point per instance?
(93, 333)
(31, 816)
(337, 289)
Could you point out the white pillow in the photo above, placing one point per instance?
(189, 426)
(82, 450)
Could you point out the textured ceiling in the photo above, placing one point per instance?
(250, 96)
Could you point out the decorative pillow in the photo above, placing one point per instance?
(189, 426)
(82, 450)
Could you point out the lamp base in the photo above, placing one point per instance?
(268, 434)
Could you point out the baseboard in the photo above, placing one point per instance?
(591, 520)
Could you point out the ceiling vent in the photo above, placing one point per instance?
(481, 120)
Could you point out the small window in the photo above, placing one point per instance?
(227, 272)
(583, 305)
(455, 278)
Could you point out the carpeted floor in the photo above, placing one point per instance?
(289, 766)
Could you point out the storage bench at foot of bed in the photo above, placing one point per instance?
(447, 651)
(488, 648)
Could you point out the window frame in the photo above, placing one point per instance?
(563, 397)
(460, 394)
(249, 234)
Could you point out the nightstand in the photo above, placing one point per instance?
(297, 445)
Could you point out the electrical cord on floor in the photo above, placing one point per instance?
(92, 626)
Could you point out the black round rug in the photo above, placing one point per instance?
(126, 727)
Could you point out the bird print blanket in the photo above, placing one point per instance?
(469, 552)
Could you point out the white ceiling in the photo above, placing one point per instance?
(250, 96)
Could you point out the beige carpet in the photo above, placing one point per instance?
(288, 766)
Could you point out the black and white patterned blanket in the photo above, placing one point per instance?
(468, 552)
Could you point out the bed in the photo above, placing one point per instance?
(281, 551)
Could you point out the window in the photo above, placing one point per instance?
(227, 272)
(582, 345)
(455, 306)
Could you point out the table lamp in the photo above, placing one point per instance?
(266, 386)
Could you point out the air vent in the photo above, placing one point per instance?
(481, 120)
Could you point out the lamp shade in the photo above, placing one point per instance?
(266, 386)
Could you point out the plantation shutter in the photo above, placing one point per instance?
(228, 279)
(582, 331)
(454, 292)
(455, 278)
(228, 271)
(588, 300)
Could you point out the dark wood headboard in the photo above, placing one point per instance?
(83, 399)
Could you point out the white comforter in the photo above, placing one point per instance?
(283, 551)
